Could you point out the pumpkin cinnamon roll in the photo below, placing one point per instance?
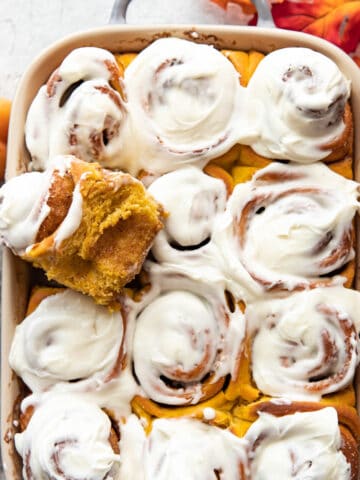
(186, 106)
(88, 228)
(302, 103)
(181, 448)
(306, 345)
(302, 445)
(80, 111)
(68, 438)
(187, 339)
(194, 201)
(68, 341)
(289, 228)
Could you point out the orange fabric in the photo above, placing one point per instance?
(335, 20)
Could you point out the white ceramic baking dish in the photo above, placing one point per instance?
(16, 273)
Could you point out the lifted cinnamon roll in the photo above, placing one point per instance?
(303, 99)
(67, 438)
(88, 228)
(80, 111)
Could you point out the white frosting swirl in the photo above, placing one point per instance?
(288, 225)
(186, 105)
(67, 438)
(49, 346)
(301, 446)
(193, 201)
(302, 96)
(78, 111)
(186, 339)
(306, 345)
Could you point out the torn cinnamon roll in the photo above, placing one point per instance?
(302, 445)
(68, 341)
(187, 339)
(302, 98)
(88, 228)
(68, 438)
(290, 227)
(186, 105)
(306, 345)
(80, 111)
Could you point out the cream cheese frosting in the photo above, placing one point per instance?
(78, 111)
(305, 345)
(67, 338)
(180, 448)
(67, 438)
(303, 446)
(301, 98)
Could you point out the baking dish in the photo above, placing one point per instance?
(17, 274)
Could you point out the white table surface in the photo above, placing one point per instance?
(28, 26)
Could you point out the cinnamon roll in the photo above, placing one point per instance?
(181, 448)
(187, 340)
(302, 98)
(68, 439)
(88, 228)
(186, 106)
(289, 227)
(194, 201)
(80, 111)
(67, 339)
(302, 445)
(305, 345)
